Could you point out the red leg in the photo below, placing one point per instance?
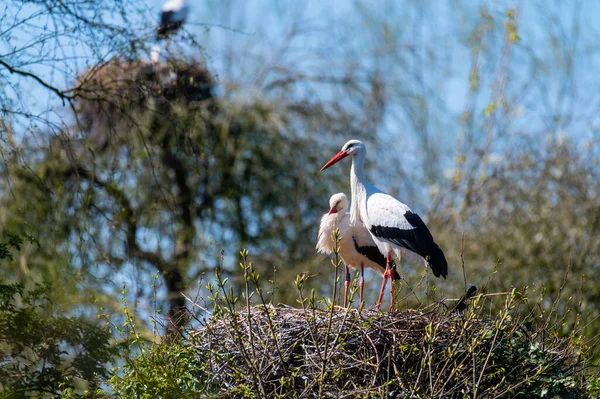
(383, 284)
(362, 282)
(346, 285)
(386, 275)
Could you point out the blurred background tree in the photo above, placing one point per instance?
(44, 353)
(481, 116)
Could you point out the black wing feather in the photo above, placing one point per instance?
(373, 254)
(167, 24)
(418, 240)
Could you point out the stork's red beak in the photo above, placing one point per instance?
(332, 210)
(338, 157)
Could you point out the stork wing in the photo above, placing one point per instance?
(362, 235)
(415, 238)
(374, 255)
(167, 18)
(394, 222)
(385, 210)
(371, 252)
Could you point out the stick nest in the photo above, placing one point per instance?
(268, 351)
(109, 92)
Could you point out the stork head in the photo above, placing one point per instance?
(352, 147)
(338, 203)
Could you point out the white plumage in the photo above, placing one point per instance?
(174, 6)
(381, 209)
(353, 238)
(341, 220)
(392, 224)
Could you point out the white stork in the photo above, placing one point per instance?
(356, 247)
(174, 13)
(391, 223)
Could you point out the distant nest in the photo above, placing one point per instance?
(350, 354)
(107, 92)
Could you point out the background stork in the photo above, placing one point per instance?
(356, 247)
(391, 223)
(174, 13)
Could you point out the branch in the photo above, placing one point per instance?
(184, 201)
(131, 245)
(58, 92)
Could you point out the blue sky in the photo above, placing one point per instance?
(337, 32)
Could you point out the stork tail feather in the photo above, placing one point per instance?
(437, 262)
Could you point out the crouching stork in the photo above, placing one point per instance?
(356, 247)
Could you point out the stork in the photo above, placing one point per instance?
(356, 247)
(174, 13)
(391, 223)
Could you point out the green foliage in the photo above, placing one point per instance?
(537, 210)
(162, 371)
(43, 354)
(148, 369)
(501, 347)
(148, 175)
(14, 241)
(165, 183)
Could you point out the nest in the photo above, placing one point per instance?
(346, 353)
(356, 347)
(108, 93)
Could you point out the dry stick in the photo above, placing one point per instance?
(236, 329)
(389, 367)
(244, 254)
(502, 319)
(558, 295)
(465, 358)
(411, 290)
(416, 383)
(195, 303)
(377, 360)
(270, 321)
(462, 256)
(429, 361)
(306, 317)
(336, 265)
(274, 285)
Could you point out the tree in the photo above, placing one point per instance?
(157, 174)
(118, 181)
(45, 354)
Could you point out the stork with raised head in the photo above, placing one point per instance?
(356, 247)
(391, 223)
(174, 13)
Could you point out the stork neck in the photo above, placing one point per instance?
(357, 173)
(358, 186)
